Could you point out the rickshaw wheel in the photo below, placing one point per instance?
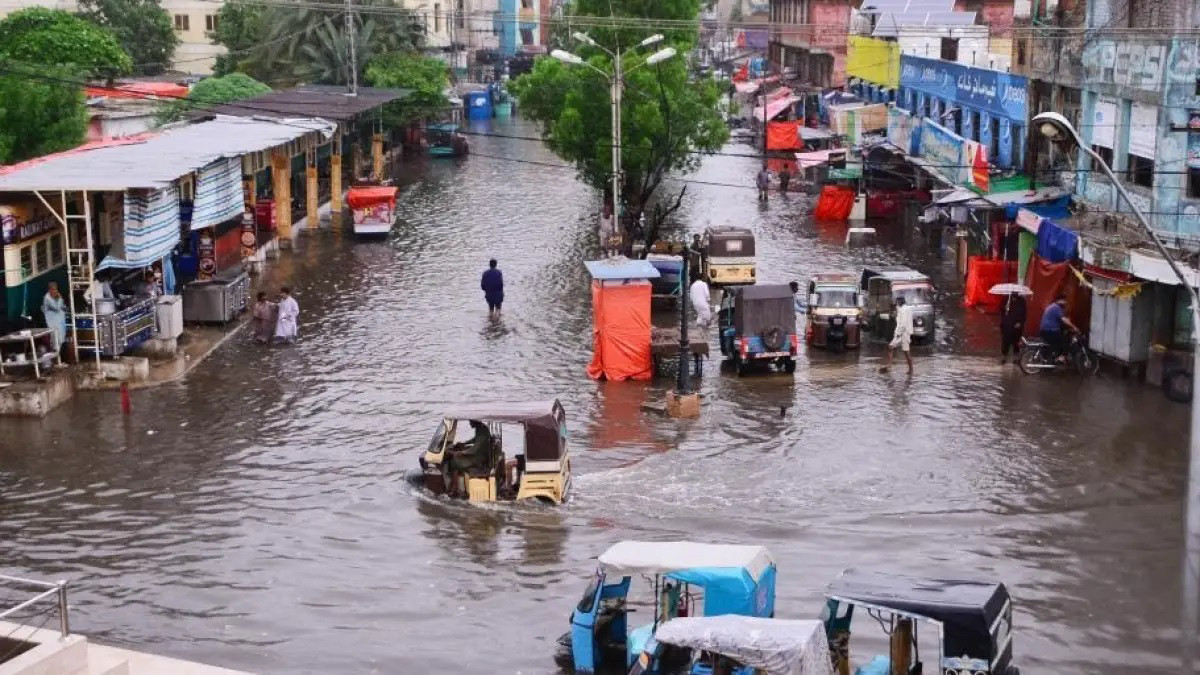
(789, 366)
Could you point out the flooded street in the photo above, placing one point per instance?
(256, 515)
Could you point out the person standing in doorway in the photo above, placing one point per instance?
(608, 229)
(264, 319)
(286, 327)
(1012, 325)
(763, 181)
(785, 177)
(55, 312)
(902, 337)
(492, 285)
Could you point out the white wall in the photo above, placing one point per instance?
(972, 45)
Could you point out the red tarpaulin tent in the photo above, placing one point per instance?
(784, 136)
(982, 274)
(620, 331)
(1047, 280)
(835, 203)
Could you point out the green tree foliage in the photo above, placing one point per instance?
(667, 120)
(49, 37)
(240, 30)
(212, 91)
(143, 28)
(284, 45)
(425, 76)
(40, 112)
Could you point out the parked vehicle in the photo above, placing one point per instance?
(971, 619)
(670, 270)
(834, 311)
(466, 468)
(688, 578)
(444, 140)
(882, 286)
(739, 645)
(1038, 357)
(727, 256)
(373, 209)
(757, 325)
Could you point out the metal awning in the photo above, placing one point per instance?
(155, 161)
(1042, 194)
(776, 107)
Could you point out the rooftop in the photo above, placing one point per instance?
(323, 101)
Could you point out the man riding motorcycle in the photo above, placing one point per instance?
(1054, 320)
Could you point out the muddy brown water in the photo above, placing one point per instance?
(256, 514)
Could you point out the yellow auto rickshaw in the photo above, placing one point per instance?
(727, 256)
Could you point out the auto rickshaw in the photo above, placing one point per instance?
(882, 286)
(688, 579)
(727, 256)
(971, 620)
(476, 468)
(741, 645)
(445, 140)
(757, 324)
(834, 311)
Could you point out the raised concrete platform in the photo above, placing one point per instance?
(45, 652)
(36, 398)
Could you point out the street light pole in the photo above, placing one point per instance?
(1056, 128)
(683, 386)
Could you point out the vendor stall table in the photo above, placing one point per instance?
(27, 338)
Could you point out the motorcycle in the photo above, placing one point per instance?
(1039, 357)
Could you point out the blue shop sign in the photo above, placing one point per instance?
(1001, 94)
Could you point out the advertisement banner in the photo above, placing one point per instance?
(1005, 143)
(944, 150)
(1001, 94)
(1104, 123)
(1193, 151)
(1143, 128)
(903, 130)
(873, 60)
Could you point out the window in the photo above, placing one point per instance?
(459, 18)
(1020, 52)
(994, 148)
(56, 250)
(527, 37)
(1140, 171)
(974, 126)
(42, 254)
(181, 22)
(210, 22)
(437, 17)
(1193, 183)
(26, 262)
(1105, 153)
(949, 49)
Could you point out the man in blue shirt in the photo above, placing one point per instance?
(1053, 321)
(492, 285)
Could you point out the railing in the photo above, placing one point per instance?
(48, 590)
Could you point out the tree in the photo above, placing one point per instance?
(240, 29)
(425, 76)
(212, 91)
(142, 27)
(49, 37)
(40, 112)
(667, 120)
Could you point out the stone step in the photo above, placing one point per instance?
(105, 662)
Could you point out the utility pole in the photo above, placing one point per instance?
(352, 80)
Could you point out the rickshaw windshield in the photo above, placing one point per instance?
(914, 295)
(836, 297)
(588, 601)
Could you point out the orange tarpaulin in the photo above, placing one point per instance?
(982, 274)
(835, 203)
(1047, 280)
(784, 136)
(742, 73)
(362, 197)
(620, 331)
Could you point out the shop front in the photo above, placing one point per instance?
(33, 256)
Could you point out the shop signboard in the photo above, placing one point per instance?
(1005, 143)
(1143, 129)
(873, 60)
(903, 130)
(1001, 94)
(206, 252)
(1104, 123)
(18, 223)
(249, 220)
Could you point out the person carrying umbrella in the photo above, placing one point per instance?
(1012, 325)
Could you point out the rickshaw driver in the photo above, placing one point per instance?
(479, 450)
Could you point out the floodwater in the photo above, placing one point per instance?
(256, 514)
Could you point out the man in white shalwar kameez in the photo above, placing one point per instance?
(285, 323)
(700, 302)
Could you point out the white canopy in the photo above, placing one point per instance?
(778, 646)
(663, 557)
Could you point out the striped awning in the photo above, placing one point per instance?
(151, 229)
(218, 193)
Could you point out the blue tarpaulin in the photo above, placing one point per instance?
(1056, 208)
(1055, 243)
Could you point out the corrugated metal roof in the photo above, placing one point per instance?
(156, 160)
(325, 102)
(615, 269)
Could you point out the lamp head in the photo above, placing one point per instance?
(652, 40)
(584, 38)
(1056, 128)
(660, 55)
(566, 57)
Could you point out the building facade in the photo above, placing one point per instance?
(807, 39)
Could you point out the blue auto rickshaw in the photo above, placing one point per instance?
(757, 325)
(689, 579)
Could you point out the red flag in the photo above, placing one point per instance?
(979, 168)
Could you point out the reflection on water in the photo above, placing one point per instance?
(267, 523)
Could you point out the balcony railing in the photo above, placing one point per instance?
(44, 593)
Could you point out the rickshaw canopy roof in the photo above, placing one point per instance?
(832, 278)
(517, 412)
(621, 269)
(728, 231)
(778, 646)
(664, 557)
(960, 605)
(442, 127)
(894, 272)
(765, 292)
(363, 196)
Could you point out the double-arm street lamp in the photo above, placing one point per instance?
(615, 82)
(1056, 128)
